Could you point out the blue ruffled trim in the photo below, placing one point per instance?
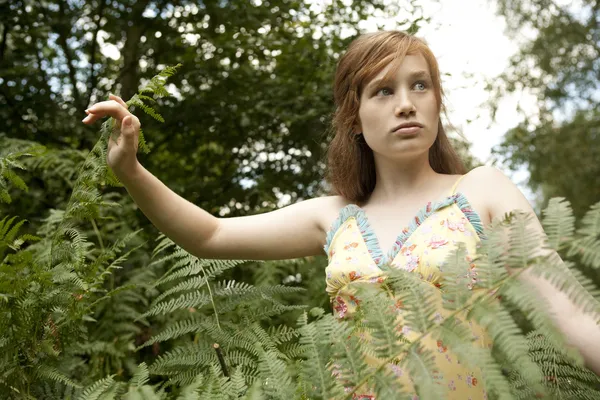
(368, 235)
(417, 220)
(345, 213)
(352, 210)
(472, 216)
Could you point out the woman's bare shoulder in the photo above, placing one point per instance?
(496, 191)
(476, 188)
(328, 209)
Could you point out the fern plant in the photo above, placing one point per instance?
(226, 314)
(50, 289)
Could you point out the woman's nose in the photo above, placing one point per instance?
(404, 105)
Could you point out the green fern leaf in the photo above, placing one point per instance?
(52, 374)
(558, 223)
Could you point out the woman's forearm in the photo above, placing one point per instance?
(183, 222)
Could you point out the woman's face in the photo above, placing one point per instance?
(408, 98)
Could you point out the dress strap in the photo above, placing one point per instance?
(453, 190)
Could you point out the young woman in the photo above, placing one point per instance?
(401, 195)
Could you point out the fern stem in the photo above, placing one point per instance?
(212, 299)
(221, 359)
(112, 275)
(98, 234)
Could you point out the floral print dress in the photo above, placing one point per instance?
(355, 256)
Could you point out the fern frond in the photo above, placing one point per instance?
(458, 338)
(98, 347)
(563, 379)
(187, 301)
(590, 224)
(156, 84)
(507, 338)
(188, 376)
(11, 150)
(456, 279)
(241, 359)
(529, 303)
(215, 386)
(254, 392)
(348, 358)
(238, 384)
(316, 338)
(524, 240)
(587, 245)
(195, 283)
(387, 386)
(206, 325)
(232, 288)
(417, 298)
(564, 275)
(182, 357)
(141, 376)
(420, 362)
(380, 320)
(52, 374)
(148, 110)
(8, 235)
(282, 333)
(97, 389)
(558, 223)
(194, 266)
(164, 243)
(277, 381)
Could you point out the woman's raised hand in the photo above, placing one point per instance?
(122, 154)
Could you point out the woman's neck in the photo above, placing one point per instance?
(396, 181)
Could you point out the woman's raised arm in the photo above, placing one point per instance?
(294, 231)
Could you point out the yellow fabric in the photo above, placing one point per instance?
(354, 256)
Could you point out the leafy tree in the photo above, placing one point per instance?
(558, 62)
(249, 118)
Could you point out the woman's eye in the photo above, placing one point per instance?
(420, 86)
(384, 91)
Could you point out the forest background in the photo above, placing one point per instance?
(247, 120)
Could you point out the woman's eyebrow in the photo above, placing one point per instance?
(420, 74)
(413, 75)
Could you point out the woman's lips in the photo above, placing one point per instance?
(409, 130)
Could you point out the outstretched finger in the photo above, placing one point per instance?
(118, 100)
(109, 108)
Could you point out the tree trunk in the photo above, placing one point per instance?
(131, 49)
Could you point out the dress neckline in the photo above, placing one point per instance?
(371, 240)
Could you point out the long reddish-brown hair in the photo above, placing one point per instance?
(350, 161)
